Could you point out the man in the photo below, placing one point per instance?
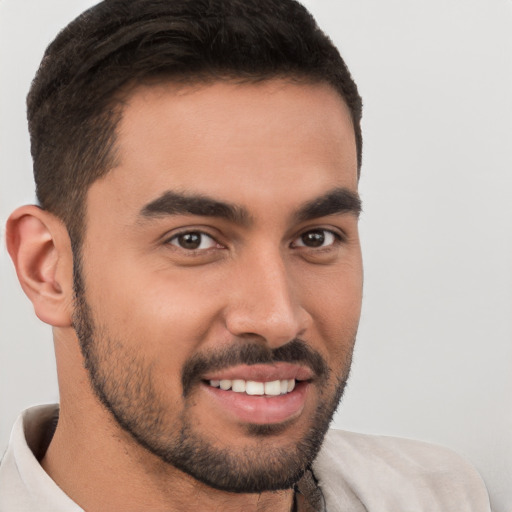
(196, 251)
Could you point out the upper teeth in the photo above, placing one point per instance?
(251, 387)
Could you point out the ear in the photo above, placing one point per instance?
(39, 245)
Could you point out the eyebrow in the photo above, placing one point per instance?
(336, 201)
(174, 203)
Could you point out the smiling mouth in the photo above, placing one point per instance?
(263, 397)
(255, 388)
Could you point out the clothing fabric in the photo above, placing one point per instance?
(355, 472)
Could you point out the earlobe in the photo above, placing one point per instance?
(39, 246)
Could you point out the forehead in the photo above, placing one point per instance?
(231, 139)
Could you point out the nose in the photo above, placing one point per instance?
(265, 301)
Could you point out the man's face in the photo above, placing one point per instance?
(222, 277)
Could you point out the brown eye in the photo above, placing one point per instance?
(316, 238)
(193, 240)
(313, 238)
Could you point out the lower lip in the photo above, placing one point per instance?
(260, 410)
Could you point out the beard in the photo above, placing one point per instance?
(124, 382)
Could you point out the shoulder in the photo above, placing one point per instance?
(384, 474)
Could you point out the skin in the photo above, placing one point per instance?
(269, 148)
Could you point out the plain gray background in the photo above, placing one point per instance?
(434, 353)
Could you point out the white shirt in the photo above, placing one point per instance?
(356, 472)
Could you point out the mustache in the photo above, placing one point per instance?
(243, 353)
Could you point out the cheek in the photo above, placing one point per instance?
(166, 314)
(334, 303)
(335, 294)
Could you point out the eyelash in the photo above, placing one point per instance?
(336, 239)
(201, 234)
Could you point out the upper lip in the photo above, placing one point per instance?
(263, 372)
